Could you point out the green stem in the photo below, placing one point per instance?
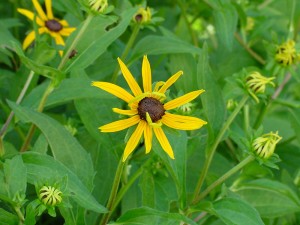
(246, 118)
(215, 145)
(20, 98)
(129, 45)
(113, 193)
(20, 215)
(41, 106)
(75, 41)
(232, 171)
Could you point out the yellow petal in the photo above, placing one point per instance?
(162, 139)
(148, 137)
(146, 73)
(135, 88)
(48, 4)
(182, 122)
(182, 100)
(120, 124)
(39, 10)
(64, 23)
(125, 112)
(170, 81)
(29, 39)
(30, 15)
(114, 90)
(134, 140)
(67, 31)
(58, 39)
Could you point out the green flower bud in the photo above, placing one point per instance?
(50, 196)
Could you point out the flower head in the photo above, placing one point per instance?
(50, 196)
(47, 24)
(146, 109)
(142, 16)
(286, 54)
(264, 146)
(256, 84)
(98, 5)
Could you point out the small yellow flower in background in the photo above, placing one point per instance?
(98, 5)
(47, 24)
(143, 15)
(256, 84)
(146, 109)
(50, 196)
(264, 146)
(286, 54)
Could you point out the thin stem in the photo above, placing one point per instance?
(246, 117)
(249, 50)
(215, 145)
(75, 41)
(264, 108)
(20, 98)
(113, 193)
(20, 215)
(41, 106)
(128, 46)
(228, 174)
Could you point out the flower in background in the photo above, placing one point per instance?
(256, 84)
(264, 146)
(143, 15)
(47, 24)
(286, 54)
(146, 109)
(50, 196)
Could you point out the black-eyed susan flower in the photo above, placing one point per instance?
(264, 146)
(50, 196)
(147, 110)
(286, 54)
(47, 24)
(256, 84)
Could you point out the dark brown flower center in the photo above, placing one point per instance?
(53, 25)
(138, 18)
(152, 106)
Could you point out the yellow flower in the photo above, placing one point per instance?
(50, 196)
(147, 110)
(47, 24)
(286, 54)
(256, 84)
(264, 146)
(143, 15)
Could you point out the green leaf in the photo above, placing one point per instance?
(8, 218)
(226, 19)
(271, 198)
(41, 167)
(87, 53)
(177, 167)
(147, 186)
(39, 69)
(156, 45)
(15, 178)
(68, 90)
(212, 99)
(144, 215)
(233, 211)
(64, 146)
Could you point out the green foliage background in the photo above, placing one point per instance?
(211, 43)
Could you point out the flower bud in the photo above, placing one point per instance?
(286, 54)
(264, 146)
(98, 5)
(50, 196)
(256, 84)
(143, 16)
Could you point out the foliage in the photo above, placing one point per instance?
(244, 54)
